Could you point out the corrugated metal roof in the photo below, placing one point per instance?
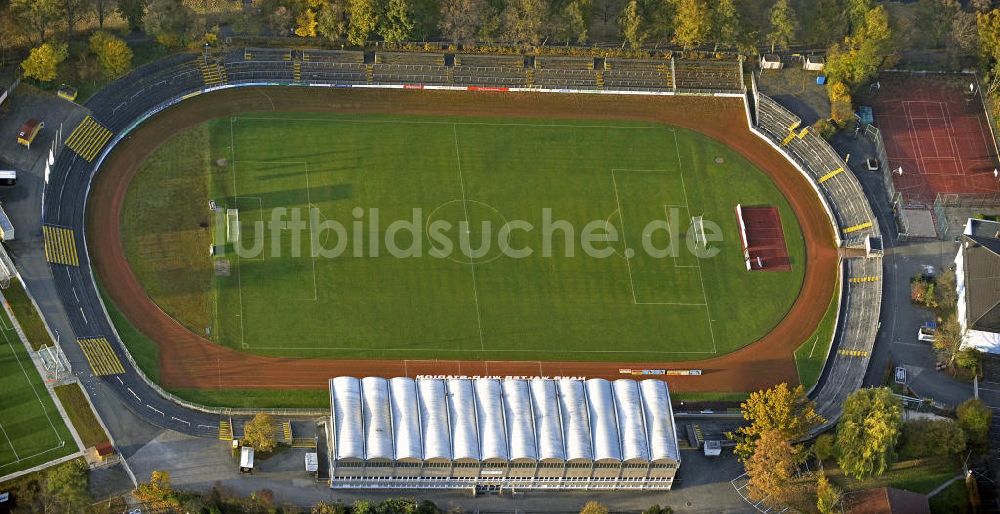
(377, 418)
(435, 423)
(631, 426)
(464, 421)
(520, 420)
(603, 420)
(347, 418)
(547, 419)
(660, 427)
(502, 419)
(489, 412)
(575, 419)
(405, 418)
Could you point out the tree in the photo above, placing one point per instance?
(868, 431)
(305, 23)
(630, 23)
(726, 24)
(948, 339)
(66, 487)
(858, 58)
(593, 507)
(964, 34)
(73, 10)
(782, 25)
(569, 20)
(134, 12)
(329, 508)
(461, 19)
(824, 447)
(771, 469)
(841, 109)
(102, 8)
(521, 21)
(43, 61)
(259, 433)
(114, 55)
(692, 23)
(988, 27)
(332, 19)
(656, 509)
(827, 495)
(35, 16)
(947, 292)
(363, 21)
(158, 493)
(169, 21)
(974, 417)
(933, 21)
(397, 22)
(787, 411)
(931, 438)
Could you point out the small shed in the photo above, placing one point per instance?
(713, 448)
(312, 462)
(26, 135)
(771, 62)
(814, 63)
(246, 460)
(104, 450)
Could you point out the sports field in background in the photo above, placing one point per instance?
(31, 429)
(456, 169)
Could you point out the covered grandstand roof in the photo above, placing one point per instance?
(501, 419)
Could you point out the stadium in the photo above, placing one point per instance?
(213, 146)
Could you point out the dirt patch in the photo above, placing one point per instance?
(189, 361)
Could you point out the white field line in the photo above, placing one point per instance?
(701, 277)
(236, 192)
(472, 262)
(625, 252)
(496, 350)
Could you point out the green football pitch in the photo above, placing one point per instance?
(31, 430)
(438, 188)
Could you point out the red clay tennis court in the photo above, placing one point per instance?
(937, 133)
(764, 247)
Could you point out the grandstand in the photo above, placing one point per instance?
(711, 75)
(861, 298)
(409, 58)
(334, 56)
(494, 434)
(489, 61)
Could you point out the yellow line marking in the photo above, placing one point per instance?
(830, 175)
(856, 228)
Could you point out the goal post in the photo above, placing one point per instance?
(698, 225)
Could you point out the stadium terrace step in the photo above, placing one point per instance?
(213, 74)
(297, 71)
(286, 432)
(859, 280)
(599, 75)
(60, 245)
(226, 430)
(88, 138)
(303, 442)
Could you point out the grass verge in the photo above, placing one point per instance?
(810, 357)
(143, 350)
(919, 476)
(257, 398)
(954, 499)
(80, 414)
(27, 316)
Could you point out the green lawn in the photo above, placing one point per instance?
(144, 351)
(954, 499)
(919, 476)
(810, 357)
(31, 323)
(81, 414)
(31, 430)
(459, 173)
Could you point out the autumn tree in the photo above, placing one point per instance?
(521, 21)
(259, 433)
(948, 339)
(158, 493)
(786, 411)
(134, 12)
(65, 488)
(169, 21)
(631, 25)
(824, 447)
(363, 20)
(692, 23)
(771, 469)
(72, 11)
(868, 430)
(782, 30)
(114, 55)
(396, 22)
(827, 495)
(933, 21)
(726, 24)
(36, 16)
(305, 23)
(331, 21)
(43, 61)
(569, 20)
(329, 508)
(922, 438)
(461, 19)
(103, 8)
(593, 507)
(974, 418)
(859, 57)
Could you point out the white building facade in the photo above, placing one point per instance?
(490, 433)
(977, 280)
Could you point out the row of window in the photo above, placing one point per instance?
(494, 481)
(504, 465)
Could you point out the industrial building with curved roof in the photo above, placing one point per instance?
(501, 433)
